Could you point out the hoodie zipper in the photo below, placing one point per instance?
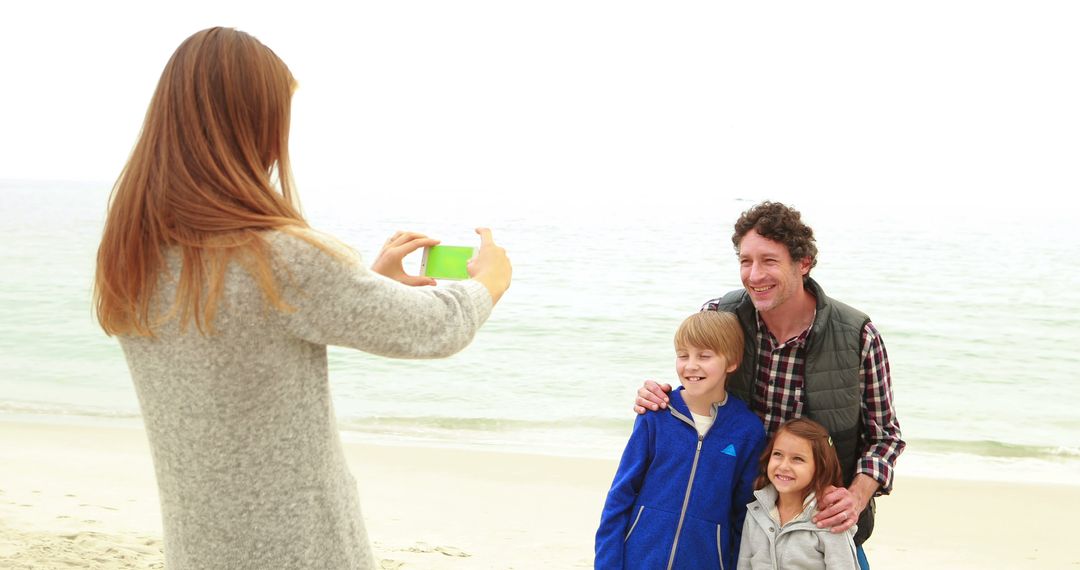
(686, 502)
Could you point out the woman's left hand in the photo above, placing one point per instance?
(394, 250)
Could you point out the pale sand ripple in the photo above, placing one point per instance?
(20, 550)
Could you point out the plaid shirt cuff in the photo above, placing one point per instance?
(879, 470)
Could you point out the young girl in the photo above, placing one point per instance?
(680, 494)
(797, 466)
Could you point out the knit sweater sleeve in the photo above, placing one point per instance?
(335, 300)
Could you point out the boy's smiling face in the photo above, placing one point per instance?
(703, 373)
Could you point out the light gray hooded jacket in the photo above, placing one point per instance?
(797, 545)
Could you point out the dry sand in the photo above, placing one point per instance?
(84, 497)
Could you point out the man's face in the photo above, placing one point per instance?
(769, 274)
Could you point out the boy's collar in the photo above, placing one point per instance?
(676, 396)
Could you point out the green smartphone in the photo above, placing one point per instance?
(446, 261)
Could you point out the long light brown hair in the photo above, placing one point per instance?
(209, 174)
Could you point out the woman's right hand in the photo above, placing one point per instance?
(389, 262)
(490, 267)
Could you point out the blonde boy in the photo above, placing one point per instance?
(679, 496)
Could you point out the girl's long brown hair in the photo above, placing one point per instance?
(826, 463)
(200, 178)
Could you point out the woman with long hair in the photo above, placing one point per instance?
(224, 300)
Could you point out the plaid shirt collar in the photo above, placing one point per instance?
(797, 342)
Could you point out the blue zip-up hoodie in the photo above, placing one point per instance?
(679, 500)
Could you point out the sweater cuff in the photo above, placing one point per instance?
(480, 297)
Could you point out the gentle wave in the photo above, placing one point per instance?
(605, 433)
(481, 424)
(63, 410)
(987, 448)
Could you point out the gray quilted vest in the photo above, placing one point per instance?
(832, 386)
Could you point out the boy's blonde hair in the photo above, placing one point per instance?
(715, 330)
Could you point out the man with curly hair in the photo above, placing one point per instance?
(808, 355)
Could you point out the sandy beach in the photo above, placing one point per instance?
(78, 496)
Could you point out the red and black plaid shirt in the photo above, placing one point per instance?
(779, 396)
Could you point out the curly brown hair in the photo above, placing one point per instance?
(780, 223)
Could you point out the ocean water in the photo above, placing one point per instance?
(978, 307)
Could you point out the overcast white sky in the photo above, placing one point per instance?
(654, 102)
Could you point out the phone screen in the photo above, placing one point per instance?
(446, 261)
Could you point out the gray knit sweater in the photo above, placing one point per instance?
(250, 470)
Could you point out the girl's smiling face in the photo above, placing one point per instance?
(791, 465)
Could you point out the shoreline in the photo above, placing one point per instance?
(85, 496)
(916, 463)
